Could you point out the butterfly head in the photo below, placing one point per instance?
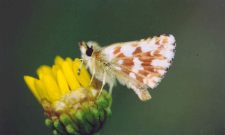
(88, 48)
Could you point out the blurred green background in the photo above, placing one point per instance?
(189, 101)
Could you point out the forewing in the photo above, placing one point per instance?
(146, 60)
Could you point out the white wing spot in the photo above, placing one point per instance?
(137, 65)
(120, 62)
(132, 75)
(167, 53)
(152, 81)
(156, 79)
(109, 52)
(127, 50)
(169, 47)
(171, 39)
(160, 63)
(162, 72)
(147, 46)
(167, 50)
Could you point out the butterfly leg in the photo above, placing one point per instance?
(79, 69)
(103, 83)
(92, 77)
(110, 88)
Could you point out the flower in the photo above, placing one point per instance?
(71, 102)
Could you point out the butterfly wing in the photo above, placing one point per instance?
(145, 61)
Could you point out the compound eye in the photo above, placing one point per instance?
(89, 51)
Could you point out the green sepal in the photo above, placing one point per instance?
(55, 132)
(49, 123)
(68, 123)
(72, 114)
(58, 126)
(109, 98)
(70, 129)
(80, 116)
(102, 115)
(87, 115)
(102, 102)
(65, 119)
(109, 112)
(95, 114)
(94, 111)
(83, 115)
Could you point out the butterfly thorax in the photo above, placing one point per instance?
(97, 62)
(100, 64)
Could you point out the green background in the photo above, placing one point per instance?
(189, 101)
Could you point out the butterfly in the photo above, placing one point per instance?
(136, 64)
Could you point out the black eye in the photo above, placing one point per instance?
(89, 51)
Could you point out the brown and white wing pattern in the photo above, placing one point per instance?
(145, 61)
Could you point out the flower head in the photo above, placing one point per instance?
(70, 101)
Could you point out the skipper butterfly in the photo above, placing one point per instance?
(136, 64)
